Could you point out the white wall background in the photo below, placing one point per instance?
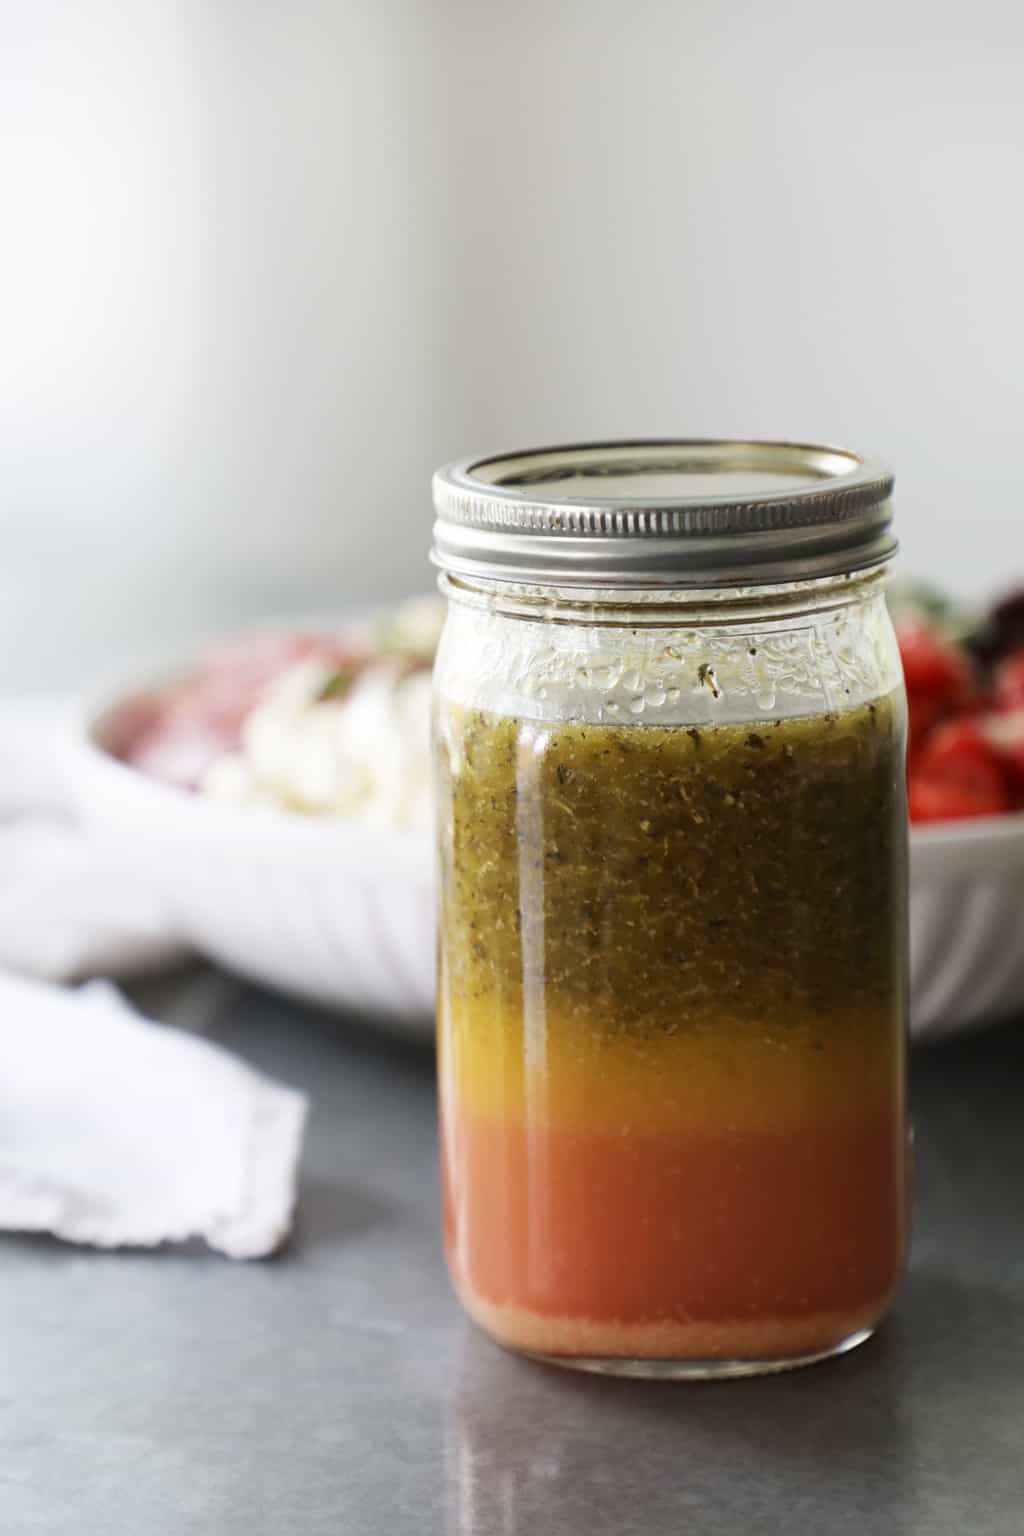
(263, 263)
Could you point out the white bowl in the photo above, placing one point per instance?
(343, 915)
(332, 911)
(966, 924)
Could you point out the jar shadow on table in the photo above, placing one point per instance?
(529, 1448)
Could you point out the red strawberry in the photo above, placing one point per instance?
(957, 773)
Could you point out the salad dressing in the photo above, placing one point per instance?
(671, 979)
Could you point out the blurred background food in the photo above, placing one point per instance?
(320, 722)
(964, 671)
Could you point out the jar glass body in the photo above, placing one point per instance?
(672, 971)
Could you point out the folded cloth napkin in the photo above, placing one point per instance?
(113, 1130)
(73, 903)
(118, 1131)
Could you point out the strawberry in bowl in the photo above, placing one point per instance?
(965, 697)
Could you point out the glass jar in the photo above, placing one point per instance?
(669, 737)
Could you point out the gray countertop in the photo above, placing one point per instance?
(337, 1389)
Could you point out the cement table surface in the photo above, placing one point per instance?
(337, 1388)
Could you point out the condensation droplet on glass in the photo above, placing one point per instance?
(636, 706)
(631, 680)
(673, 695)
(656, 697)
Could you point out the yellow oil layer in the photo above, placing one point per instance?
(734, 1079)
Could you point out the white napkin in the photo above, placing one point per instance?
(113, 1130)
(117, 1131)
(72, 903)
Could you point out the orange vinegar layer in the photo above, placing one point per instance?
(672, 1230)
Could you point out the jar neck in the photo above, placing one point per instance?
(663, 608)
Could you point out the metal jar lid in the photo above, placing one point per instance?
(663, 513)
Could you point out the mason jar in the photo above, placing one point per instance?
(670, 731)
